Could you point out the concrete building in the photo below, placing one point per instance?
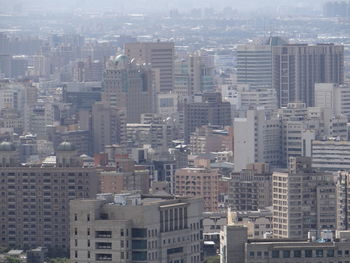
(206, 109)
(297, 67)
(207, 139)
(254, 65)
(108, 126)
(34, 199)
(134, 228)
(160, 56)
(200, 181)
(128, 86)
(321, 248)
(256, 139)
(333, 96)
(251, 188)
(258, 223)
(331, 155)
(303, 200)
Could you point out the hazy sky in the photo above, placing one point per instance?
(155, 5)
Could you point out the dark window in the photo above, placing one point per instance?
(308, 253)
(275, 254)
(297, 253)
(139, 232)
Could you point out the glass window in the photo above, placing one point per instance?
(297, 253)
(308, 253)
(275, 254)
(319, 253)
(286, 253)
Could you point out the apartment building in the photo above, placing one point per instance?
(34, 199)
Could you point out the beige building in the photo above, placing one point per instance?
(108, 126)
(321, 247)
(251, 188)
(200, 181)
(128, 86)
(303, 200)
(258, 223)
(134, 228)
(34, 199)
(160, 56)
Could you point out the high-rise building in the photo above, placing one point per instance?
(200, 181)
(256, 139)
(251, 188)
(160, 56)
(303, 200)
(297, 67)
(254, 64)
(333, 96)
(108, 126)
(207, 108)
(34, 199)
(128, 86)
(134, 228)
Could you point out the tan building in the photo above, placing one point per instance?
(251, 188)
(200, 181)
(34, 199)
(258, 223)
(134, 228)
(303, 200)
(108, 126)
(160, 55)
(128, 86)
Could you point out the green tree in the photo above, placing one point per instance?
(214, 259)
(12, 259)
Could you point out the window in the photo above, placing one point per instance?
(139, 232)
(286, 254)
(275, 254)
(319, 253)
(308, 253)
(330, 253)
(297, 253)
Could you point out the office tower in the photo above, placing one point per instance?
(254, 64)
(108, 126)
(331, 155)
(128, 86)
(200, 181)
(207, 108)
(333, 96)
(160, 56)
(301, 125)
(303, 200)
(256, 139)
(34, 199)
(196, 70)
(135, 228)
(251, 188)
(245, 97)
(297, 67)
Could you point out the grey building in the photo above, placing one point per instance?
(135, 228)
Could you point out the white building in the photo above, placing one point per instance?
(256, 139)
(332, 155)
(333, 96)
